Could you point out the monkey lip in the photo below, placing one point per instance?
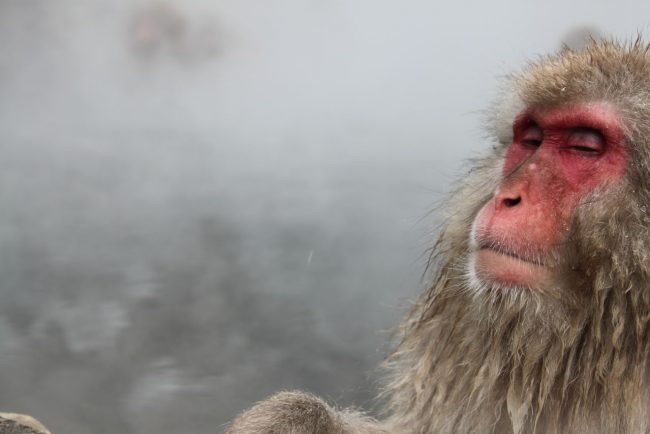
(537, 261)
(504, 267)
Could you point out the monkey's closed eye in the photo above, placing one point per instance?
(532, 136)
(586, 141)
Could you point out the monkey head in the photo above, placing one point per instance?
(569, 178)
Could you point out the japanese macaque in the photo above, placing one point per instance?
(537, 318)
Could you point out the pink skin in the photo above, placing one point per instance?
(556, 158)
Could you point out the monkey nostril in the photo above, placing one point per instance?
(511, 202)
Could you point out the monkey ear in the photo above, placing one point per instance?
(502, 113)
(12, 423)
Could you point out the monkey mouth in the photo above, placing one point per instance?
(509, 268)
(537, 260)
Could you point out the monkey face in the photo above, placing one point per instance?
(557, 158)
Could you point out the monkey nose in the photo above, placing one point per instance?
(510, 202)
(506, 200)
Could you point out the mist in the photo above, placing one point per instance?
(203, 202)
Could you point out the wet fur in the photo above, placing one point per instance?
(572, 359)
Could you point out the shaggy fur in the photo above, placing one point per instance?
(301, 413)
(476, 359)
(12, 423)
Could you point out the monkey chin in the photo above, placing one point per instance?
(502, 270)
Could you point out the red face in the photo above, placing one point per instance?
(557, 158)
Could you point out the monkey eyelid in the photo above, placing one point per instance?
(535, 143)
(586, 140)
(583, 150)
(531, 134)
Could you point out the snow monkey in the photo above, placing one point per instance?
(537, 319)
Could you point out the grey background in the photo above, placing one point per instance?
(203, 202)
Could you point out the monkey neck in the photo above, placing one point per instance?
(508, 365)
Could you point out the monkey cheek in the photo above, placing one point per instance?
(496, 269)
